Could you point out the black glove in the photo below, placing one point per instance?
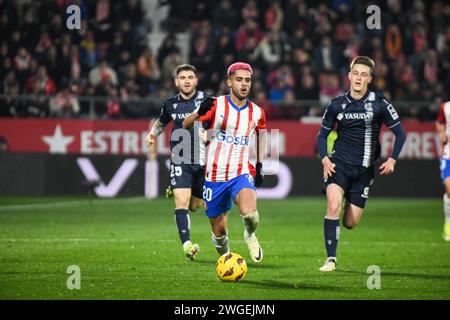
(259, 176)
(205, 106)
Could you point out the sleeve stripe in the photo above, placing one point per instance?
(326, 127)
(394, 125)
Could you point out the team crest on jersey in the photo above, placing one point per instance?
(368, 107)
(197, 103)
(175, 105)
(344, 105)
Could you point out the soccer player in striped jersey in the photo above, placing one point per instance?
(443, 128)
(232, 119)
(349, 171)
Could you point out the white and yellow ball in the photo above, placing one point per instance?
(231, 267)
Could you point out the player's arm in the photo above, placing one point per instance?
(391, 119)
(190, 119)
(202, 111)
(261, 142)
(440, 125)
(440, 128)
(400, 136)
(158, 126)
(328, 121)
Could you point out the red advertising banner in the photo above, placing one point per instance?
(127, 137)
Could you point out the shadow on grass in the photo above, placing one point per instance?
(404, 274)
(289, 285)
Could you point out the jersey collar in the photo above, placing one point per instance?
(235, 106)
(180, 98)
(363, 98)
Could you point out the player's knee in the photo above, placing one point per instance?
(194, 205)
(348, 226)
(182, 202)
(219, 231)
(334, 209)
(245, 210)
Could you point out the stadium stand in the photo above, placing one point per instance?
(299, 49)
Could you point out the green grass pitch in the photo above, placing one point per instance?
(129, 249)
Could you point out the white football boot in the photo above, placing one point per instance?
(329, 265)
(256, 252)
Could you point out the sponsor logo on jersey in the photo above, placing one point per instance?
(358, 116)
(179, 116)
(228, 138)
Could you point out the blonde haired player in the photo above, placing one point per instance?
(349, 171)
(232, 119)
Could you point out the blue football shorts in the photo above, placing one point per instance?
(188, 176)
(445, 168)
(218, 196)
(355, 180)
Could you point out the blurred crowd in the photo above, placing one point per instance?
(300, 51)
(107, 57)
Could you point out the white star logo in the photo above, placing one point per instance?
(58, 142)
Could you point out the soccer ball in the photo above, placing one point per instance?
(231, 267)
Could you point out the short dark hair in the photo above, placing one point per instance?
(364, 60)
(184, 67)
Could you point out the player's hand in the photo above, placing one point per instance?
(328, 168)
(388, 166)
(259, 176)
(205, 106)
(150, 139)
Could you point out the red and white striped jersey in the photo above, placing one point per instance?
(230, 129)
(444, 118)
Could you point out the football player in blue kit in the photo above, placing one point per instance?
(349, 171)
(186, 168)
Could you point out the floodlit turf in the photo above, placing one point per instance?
(129, 249)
